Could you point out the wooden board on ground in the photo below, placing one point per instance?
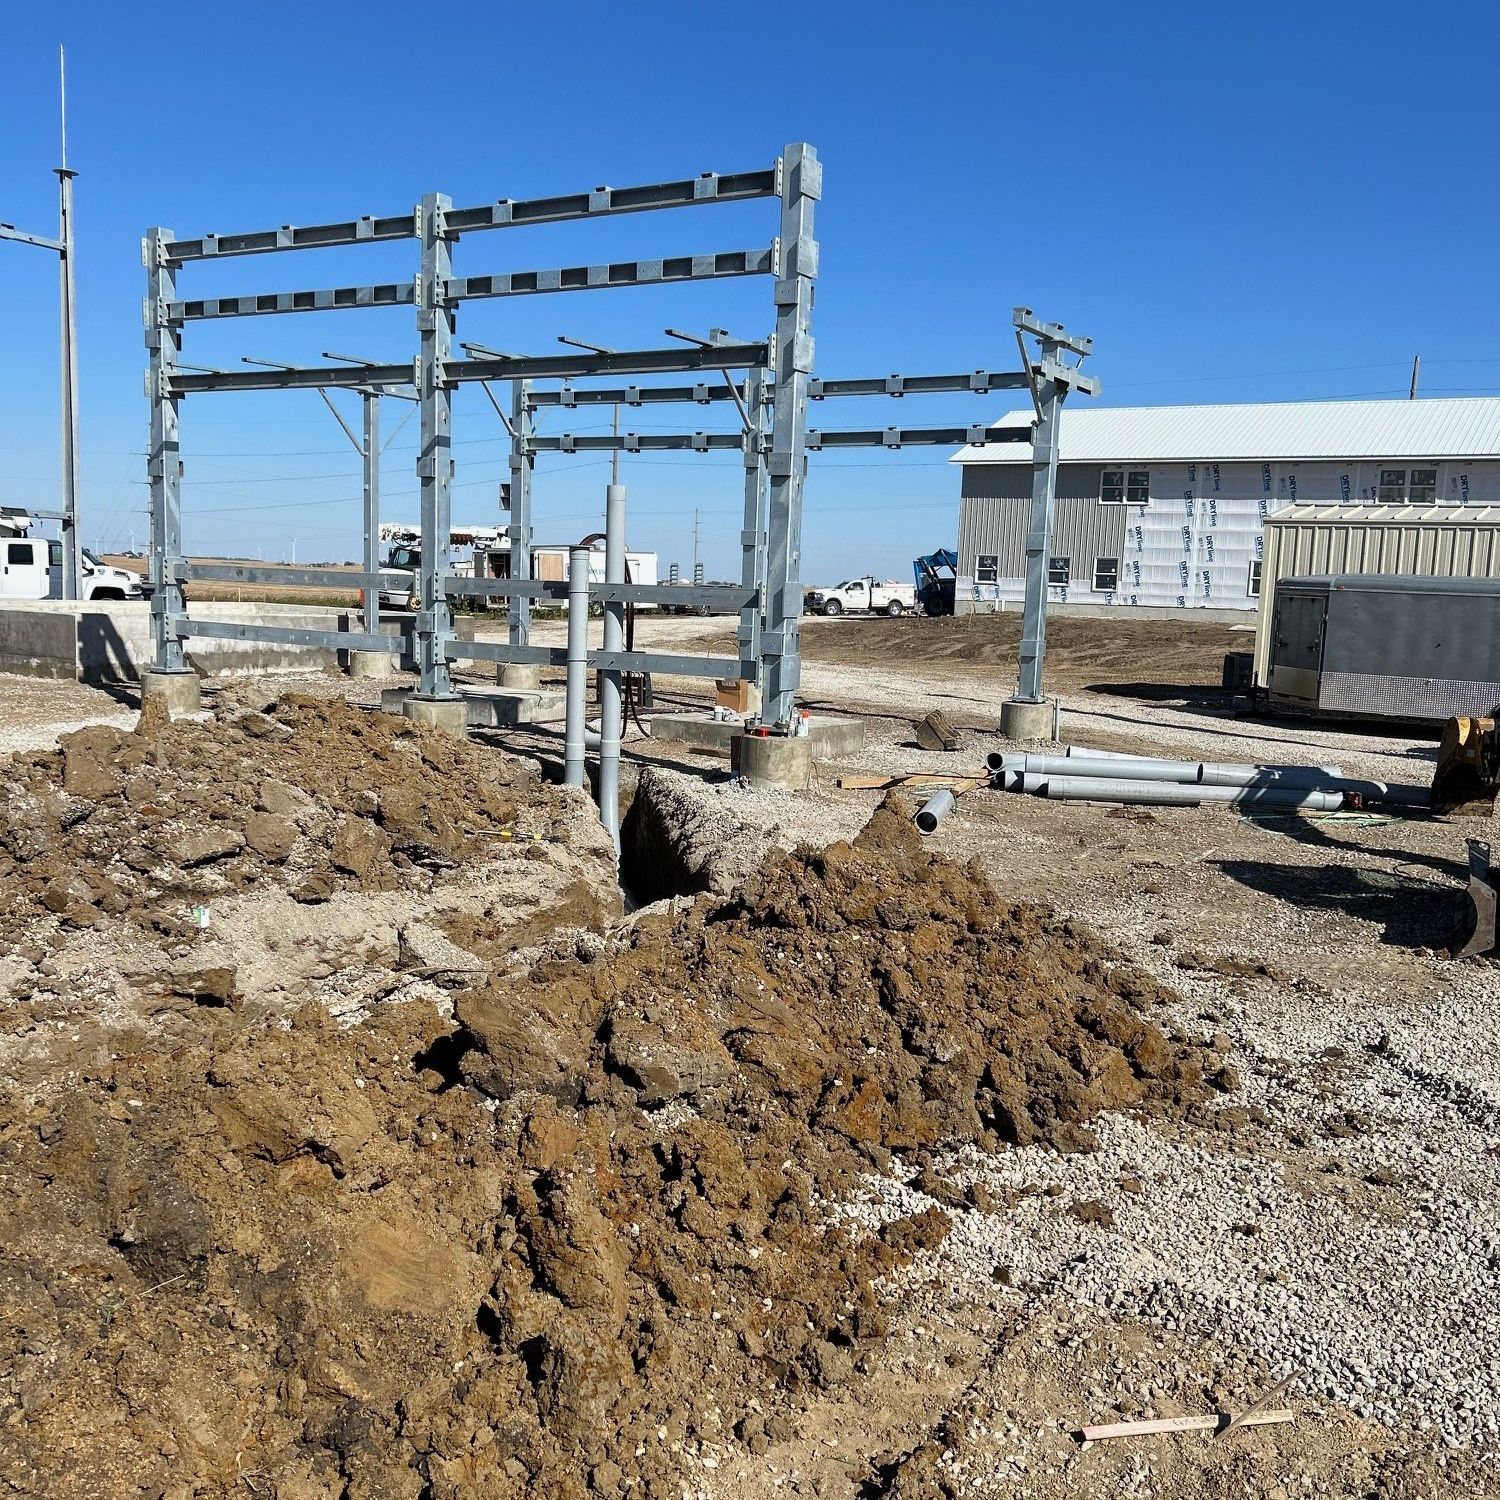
(919, 779)
(1184, 1424)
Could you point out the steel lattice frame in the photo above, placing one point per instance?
(777, 385)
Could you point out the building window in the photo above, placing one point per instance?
(987, 568)
(1252, 586)
(1392, 490)
(1422, 489)
(1106, 574)
(1125, 487)
(1060, 570)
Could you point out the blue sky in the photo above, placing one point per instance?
(1260, 202)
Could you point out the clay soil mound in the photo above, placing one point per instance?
(576, 1240)
(314, 795)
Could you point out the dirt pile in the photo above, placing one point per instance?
(576, 1241)
(313, 795)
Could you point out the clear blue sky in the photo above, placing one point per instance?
(1242, 202)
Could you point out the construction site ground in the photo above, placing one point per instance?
(1323, 1231)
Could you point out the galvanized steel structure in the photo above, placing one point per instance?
(770, 382)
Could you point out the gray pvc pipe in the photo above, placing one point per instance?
(610, 681)
(1302, 774)
(934, 810)
(576, 699)
(1176, 793)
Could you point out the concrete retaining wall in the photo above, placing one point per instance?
(111, 642)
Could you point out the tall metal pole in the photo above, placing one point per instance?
(1039, 543)
(577, 687)
(72, 537)
(519, 530)
(1416, 375)
(801, 187)
(434, 622)
(610, 680)
(370, 460)
(753, 535)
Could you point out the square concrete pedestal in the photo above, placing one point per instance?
(773, 760)
(178, 690)
(828, 738)
(490, 708)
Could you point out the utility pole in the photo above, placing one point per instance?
(1416, 375)
(697, 566)
(614, 456)
(62, 247)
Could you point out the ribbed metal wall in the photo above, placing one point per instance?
(996, 508)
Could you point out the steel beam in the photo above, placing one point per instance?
(10, 232)
(615, 274)
(977, 382)
(506, 653)
(637, 442)
(578, 365)
(189, 569)
(915, 437)
(701, 394)
(184, 627)
(72, 534)
(163, 460)
(325, 299)
(801, 186)
(669, 665)
(435, 458)
(710, 187)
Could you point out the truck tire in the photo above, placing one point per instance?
(413, 601)
(832, 607)
(895, 608)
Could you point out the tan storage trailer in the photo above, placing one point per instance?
(1431, 541)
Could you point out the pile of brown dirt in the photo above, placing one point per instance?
(576, 1239)
(313, 795)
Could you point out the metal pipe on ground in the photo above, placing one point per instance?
(576, 697)
(1177, 794)
(610, 698)
(934, 810)
(1205, 773)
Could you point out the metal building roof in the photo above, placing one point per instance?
(1323, 514)
(1436, 428)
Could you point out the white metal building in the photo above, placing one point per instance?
(1166, 506)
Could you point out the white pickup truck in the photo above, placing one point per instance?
(31, 568)
(867, 594)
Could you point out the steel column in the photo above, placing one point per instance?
(753, 535)
(370, 461)
(163, 462)
(610, 699)
(519, 530)
(801, 183)
(1039, 542)
(435, 461)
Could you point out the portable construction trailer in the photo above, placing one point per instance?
(1429, 541)
(1385, 645)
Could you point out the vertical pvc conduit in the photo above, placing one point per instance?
(578, 666)
(610, 680)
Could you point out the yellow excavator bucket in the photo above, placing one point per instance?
(1468, 767)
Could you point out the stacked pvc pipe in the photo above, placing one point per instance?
(1099, 776)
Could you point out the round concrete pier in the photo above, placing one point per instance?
(178, 690)
(772, 760)
(519, 677)
(1025, 721)
(448, 714)
(366, 664)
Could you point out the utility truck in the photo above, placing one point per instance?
(867, 594)
(31, 568)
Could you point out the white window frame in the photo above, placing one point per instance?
(1129, 479)
(1066, 579)
(1106, 588)
(1253, 577)
(987, 567)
